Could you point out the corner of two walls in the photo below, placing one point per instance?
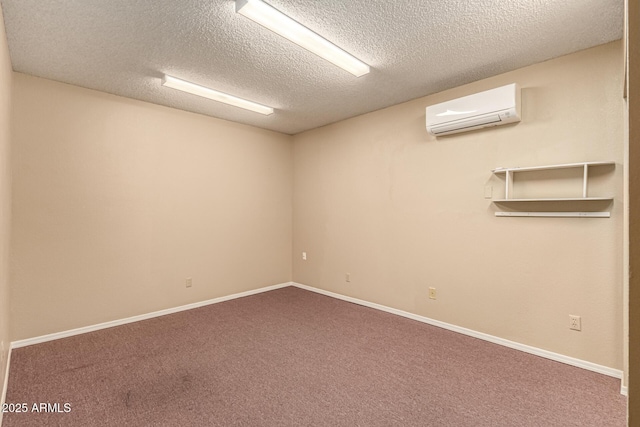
(116, 202)
(5, 199)
(376, 197)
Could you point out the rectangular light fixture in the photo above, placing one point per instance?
(205, 92)
(281, 24)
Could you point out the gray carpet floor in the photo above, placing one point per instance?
(290, 357)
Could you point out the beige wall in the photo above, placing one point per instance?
(5, 197)
(117, 201)
(634, 214)
(377, 197)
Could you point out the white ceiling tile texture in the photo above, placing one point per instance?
(415, 48)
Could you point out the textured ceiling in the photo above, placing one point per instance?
(415, 48)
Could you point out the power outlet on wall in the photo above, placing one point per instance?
(347, 277)
(575, 323)
(304, 256)
(432, 293)
(188, 282)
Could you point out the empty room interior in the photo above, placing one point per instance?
(298, 212)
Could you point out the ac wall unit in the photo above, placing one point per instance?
(493, 107)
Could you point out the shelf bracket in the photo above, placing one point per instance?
(585, 179)
(507, 183)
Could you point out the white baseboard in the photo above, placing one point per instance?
(616, 373)
(624, 390)
(111, 324)
(5, 384)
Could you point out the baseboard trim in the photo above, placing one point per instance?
(111, 324)
(5, 385)
(616, 373)
(624, 390)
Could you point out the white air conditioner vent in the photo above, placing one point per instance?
(493, 107)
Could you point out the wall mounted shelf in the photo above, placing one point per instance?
(510, 200)
(557, 214)
(554, 199)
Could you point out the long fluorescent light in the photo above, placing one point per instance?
(206, 92)
(281, 24)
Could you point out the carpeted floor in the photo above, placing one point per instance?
(290, 357)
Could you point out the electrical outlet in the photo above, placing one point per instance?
(575, 323)
(348, 277)
(188, 282)
(304, 256)
(432, 293)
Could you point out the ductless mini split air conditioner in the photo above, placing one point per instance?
(493, 107)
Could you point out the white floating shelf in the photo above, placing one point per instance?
(560, 166)
(585, 166)
(557, 214)
(555, 199)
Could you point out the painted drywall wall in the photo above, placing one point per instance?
(626, 218)
(5, 197)
(116, 202)
(634, 212)
(376, 197)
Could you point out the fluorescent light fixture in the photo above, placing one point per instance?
(205, 92)
(281, 24)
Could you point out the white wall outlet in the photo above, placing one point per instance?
(432, 293)
(575, 323)
(304, 256)
(188, 282)
(348, 277)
